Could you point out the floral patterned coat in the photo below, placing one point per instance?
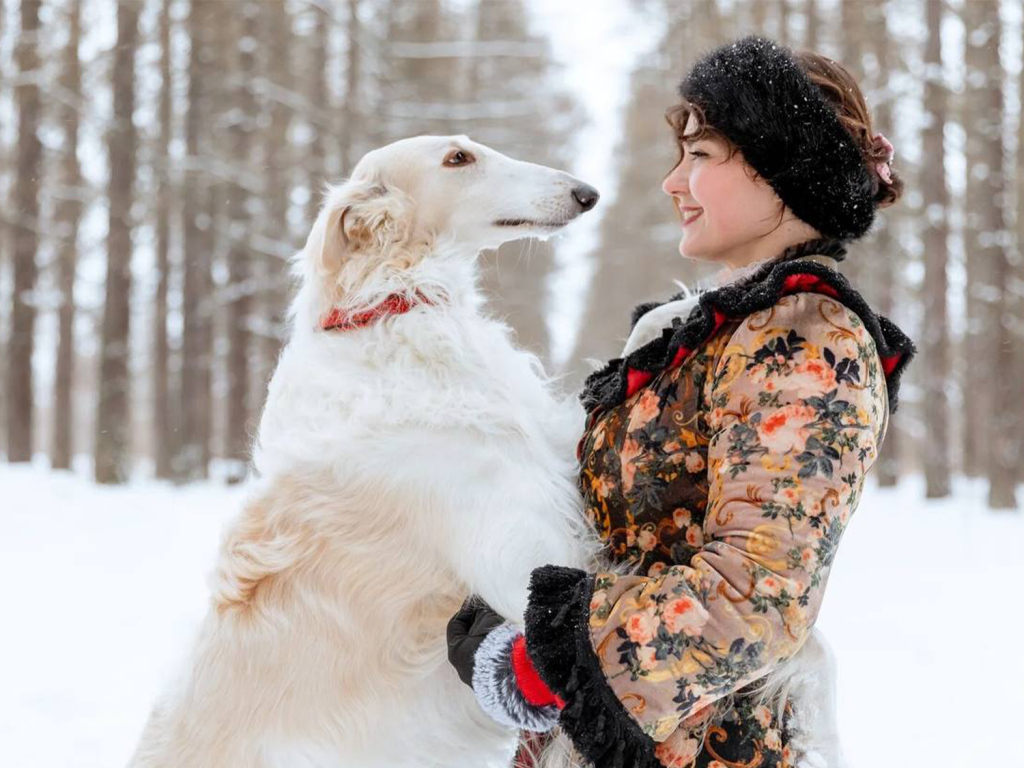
(724, 461)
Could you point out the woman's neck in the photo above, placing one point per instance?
(815, 245)
(792, 231)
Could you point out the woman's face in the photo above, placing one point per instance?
(723, 206)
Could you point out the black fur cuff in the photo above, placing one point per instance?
(558, 643)
(494, 683)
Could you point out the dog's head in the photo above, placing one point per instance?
(426, 194)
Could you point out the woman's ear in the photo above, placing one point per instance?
(361, 217)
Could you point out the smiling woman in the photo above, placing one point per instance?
(723, 457)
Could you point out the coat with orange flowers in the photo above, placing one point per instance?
(724, 460)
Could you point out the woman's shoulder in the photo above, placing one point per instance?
(806, 344)
(802, 293)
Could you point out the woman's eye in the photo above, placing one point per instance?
(698, 153)
(458, 157)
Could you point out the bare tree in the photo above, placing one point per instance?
(192, 461)
(783, 17)
(989, 244)
(885, 255)
(319, 162)
(935, 337)
(351, 110)
(276, 75)
(66, 216)
(851, 54)
(241, 124)
(164, 435)
(759, 16)
(812, 25)
(25, 239)
(1017, 289)
(113, 431)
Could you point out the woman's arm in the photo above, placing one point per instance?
(798, 408)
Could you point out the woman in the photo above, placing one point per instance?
(725, 452)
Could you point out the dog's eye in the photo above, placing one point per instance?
(458, 157)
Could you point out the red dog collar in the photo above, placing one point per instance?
(395, 304)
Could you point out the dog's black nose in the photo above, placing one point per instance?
(586, 196)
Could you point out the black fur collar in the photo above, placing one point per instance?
(608, 386)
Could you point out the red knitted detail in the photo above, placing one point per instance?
(534, 690)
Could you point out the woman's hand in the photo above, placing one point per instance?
(466, 631)
(489, 655)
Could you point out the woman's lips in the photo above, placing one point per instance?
(690, 215)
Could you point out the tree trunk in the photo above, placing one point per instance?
(165, 436)
(239, 289)
(852, 43)
(25, 240)
(67, 214)
(277, 74)
(812, 25)
(319, 164)
(989, 245)
(935, 337)
(783, 11)
(197, 213)
(351, 115)
(1018, 293)
(113, 430)
(885, 253)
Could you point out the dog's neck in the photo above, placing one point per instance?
(395, 304)
(448, 277)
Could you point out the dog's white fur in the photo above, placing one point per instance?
(402, 466)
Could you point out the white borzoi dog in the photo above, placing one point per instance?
(408, 454)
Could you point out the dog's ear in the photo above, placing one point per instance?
(362, 217)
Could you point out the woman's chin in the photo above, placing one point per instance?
(688, 249)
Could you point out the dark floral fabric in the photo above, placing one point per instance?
(728, 481)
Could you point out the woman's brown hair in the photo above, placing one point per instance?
(841, 90)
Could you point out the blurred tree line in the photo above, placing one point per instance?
(161, 160)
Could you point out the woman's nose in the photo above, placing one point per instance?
(676, 182)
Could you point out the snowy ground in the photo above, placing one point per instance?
(102, 587)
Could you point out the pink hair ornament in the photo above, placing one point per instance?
(882, 169)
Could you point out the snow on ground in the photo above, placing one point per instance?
(101, 589)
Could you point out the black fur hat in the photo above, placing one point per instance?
(754, 92)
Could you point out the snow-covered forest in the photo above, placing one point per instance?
(143, 260)
(161, 161)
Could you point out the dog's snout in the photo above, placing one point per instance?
(586, 196)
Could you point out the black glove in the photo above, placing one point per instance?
(466, 631)
(480, 647)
